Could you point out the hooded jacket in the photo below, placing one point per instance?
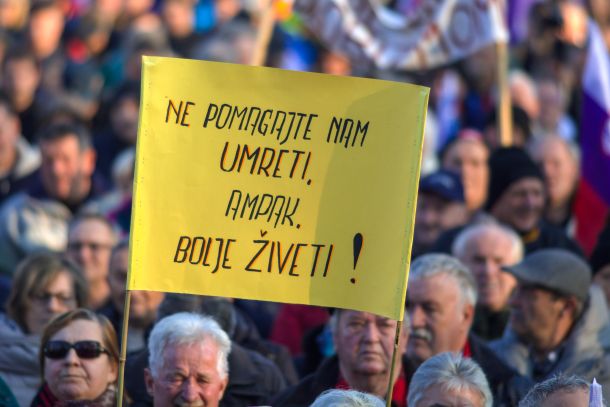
(584, 352)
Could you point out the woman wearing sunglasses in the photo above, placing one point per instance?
(45, 285)
(79, 358)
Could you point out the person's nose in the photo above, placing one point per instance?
(428, 216)
(490, 268)
(190, 391)
(417, 317)
(71, 358)
(56, 168)
(55, 305)
(371, 332)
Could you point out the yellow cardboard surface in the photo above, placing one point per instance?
(274, 185)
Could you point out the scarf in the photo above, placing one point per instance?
(45, 398)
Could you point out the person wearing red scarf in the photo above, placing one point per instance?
(364, 344)
(441, 298)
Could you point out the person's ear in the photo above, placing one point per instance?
(223, 387)
(149, 381)
(468, 314)
(113, 373)
(569, 306)
(88, 159)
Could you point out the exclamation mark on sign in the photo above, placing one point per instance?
(357, 248)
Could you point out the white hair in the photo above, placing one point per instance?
(535, 147)
(451, 372)
(187, 328)
(346, 398)
(476, 230)
(430, 265)
(559, 383)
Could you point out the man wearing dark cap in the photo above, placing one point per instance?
(440, 207)
(516, 196)
(558, 321)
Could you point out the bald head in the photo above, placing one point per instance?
(559, 160)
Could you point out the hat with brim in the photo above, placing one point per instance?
(556, 270)
(445, 184)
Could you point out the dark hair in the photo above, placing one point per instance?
(20, 53)
(128, 90)
(521, 120)
(543, 390)
(33, 275)
(109, 337)
(40, 5)
(463, 134)
(61, 130)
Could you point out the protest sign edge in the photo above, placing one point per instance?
(125, 322)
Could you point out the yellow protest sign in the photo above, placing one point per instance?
(275, 185)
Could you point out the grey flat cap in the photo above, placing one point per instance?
(555, 269)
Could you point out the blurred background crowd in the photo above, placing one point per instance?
(69, 106)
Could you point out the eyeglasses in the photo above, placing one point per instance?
(83, 349)
(46, 297)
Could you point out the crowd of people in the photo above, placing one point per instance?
(504, 306)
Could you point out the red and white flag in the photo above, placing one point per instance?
(430, 34)
(593, 196)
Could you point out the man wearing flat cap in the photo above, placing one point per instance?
(558, 322)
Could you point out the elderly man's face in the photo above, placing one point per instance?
(484, 255)
(189, 376)
(90, 245)
(439, 317)
(534, 315)
(364, 343)
(437, 396)
(469, 159)
(560, 169)
(521, 205)
(144, 304)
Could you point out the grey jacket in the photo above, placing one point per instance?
(585, 352)
(19, 361)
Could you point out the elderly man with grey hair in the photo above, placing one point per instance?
(188, 361)
(560, 390)
(441, 297)
(364, 343)
(558, 320)
(347, 398)
(253, 378)
(559, 160)
(485, 248)
(449, 379)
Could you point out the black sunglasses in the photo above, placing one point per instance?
(84, 349)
